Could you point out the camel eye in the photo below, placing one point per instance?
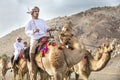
(67, 29)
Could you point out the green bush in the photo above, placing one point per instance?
(4, 56)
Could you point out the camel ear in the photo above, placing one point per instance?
(113, 42)
(105, 49)
(103, 45)
(106, 45)
(68, 24)
(61, 39)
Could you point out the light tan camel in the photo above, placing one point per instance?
(21, 69)
(43, 75)
(56, 61)
(88, 63)
(4, 66)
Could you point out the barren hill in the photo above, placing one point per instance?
(94, 26)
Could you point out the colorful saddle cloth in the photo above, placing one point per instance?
(43, 43)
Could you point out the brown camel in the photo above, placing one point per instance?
(88, 63)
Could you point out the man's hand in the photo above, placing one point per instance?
(35, 30)
(50, 29)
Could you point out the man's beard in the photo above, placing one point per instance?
(36, 16)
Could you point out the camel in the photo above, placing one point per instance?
(88, 63)
(57, 61)
(20, 69)
(43, 74)
(4, 65)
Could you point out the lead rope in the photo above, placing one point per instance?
(65, 58)
(34, 24)
(43, 65)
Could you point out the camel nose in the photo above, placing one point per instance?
(72, 35)
(67, 39)
(62, 34)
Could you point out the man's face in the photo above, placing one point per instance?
(19, 40)
(35, 13)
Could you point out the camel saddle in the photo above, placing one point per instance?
(21, 56)
(41, 43)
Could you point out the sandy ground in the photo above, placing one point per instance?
(110, 72)
(106, 74)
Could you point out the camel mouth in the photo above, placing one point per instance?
(65, 37)
(65, 40)
(66, 34)
(63, 34)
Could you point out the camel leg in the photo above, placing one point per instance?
(24, 76)
(20, 76)
(35, 74)
(43, 76)
(3, 74)
(58, 76)
(27, 76)
(67, 75)
(14, 74)
(76, 76)
(32, 73)
(30, 70)
(32, 76)
(84, 75)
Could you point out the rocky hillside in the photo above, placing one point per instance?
(94, 27)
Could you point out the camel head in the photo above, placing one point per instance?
(103, 55)
(67, 37)
(66, 33)
(107, 48)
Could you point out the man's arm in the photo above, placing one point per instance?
(28, 30)
(16, 47)
(50, 29)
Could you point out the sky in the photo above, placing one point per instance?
(13, 12)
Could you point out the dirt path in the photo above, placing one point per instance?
(108, 73)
